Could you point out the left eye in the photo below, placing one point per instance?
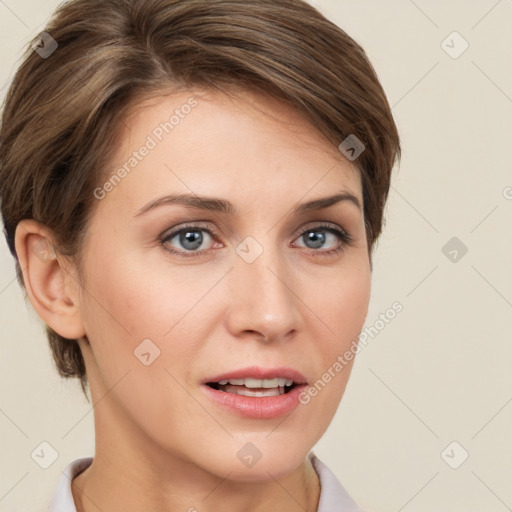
(318, 237)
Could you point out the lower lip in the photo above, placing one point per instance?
(262, 408)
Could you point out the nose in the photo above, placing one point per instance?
(263, 303)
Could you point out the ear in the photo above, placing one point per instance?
(49, 279)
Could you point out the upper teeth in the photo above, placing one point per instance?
(258, 383)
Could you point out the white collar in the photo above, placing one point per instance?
(333, 497)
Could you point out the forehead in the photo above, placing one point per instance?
(209, 143)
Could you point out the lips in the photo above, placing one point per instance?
(256, 392)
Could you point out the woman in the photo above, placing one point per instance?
(192, 191)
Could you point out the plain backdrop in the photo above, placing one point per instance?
(425, 423)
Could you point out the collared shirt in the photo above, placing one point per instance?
(333, 497)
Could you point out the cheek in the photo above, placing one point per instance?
(342, 307)
(343, 303)
(144, 331)
(140, 300)
(129, 303)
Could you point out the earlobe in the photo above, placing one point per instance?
(47, 280)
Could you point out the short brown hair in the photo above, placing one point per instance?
(62, 111)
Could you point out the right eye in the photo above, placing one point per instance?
(190, 237)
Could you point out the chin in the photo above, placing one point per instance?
(259, 458)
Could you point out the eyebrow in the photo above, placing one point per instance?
(223, 206)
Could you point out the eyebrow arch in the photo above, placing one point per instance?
(223, 206)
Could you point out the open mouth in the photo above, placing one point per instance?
(254, 387)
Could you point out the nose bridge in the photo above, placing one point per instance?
(262, 300)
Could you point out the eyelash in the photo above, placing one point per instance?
(344, 237)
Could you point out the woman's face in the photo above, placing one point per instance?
(267, 287)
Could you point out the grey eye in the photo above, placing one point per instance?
(188, 239)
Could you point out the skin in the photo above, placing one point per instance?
(292, 306)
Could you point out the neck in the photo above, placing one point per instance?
(131, 487)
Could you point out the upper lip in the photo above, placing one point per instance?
(256, 372)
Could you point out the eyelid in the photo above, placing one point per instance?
(193, 225)
(320, 224)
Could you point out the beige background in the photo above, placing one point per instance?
(440, 371)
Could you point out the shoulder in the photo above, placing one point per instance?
(62, 500)
(333, 496)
